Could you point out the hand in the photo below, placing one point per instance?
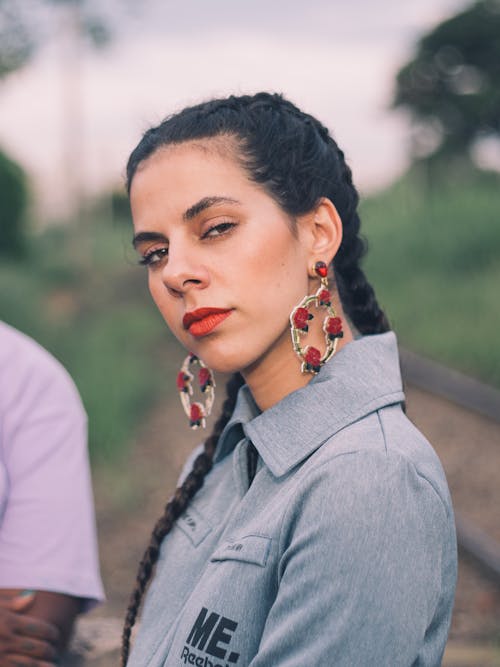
(25, 641)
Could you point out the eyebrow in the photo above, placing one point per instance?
(205, 203)
(189, 214)
(142, 237)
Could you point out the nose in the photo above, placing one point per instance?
(184, 271)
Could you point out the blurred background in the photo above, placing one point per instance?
(411, 92)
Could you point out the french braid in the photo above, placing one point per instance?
(173, 509)
(356, 294)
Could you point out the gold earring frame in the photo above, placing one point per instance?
(311, 358)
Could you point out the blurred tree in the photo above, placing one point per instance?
(16, 41)
(21, 33)
(452, 85)
(92, 25)
(14, 199)
(120, 207)
(25, 26)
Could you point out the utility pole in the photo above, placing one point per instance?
(73, 125)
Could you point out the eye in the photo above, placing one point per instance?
(154, 256)
(219, 230)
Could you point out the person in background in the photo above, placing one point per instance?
(49, 569)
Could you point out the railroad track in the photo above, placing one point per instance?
(461, 418)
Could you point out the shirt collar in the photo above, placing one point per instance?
(244, 411)
(362, 377)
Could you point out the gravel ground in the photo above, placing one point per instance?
(130, 499)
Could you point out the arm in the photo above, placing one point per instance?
(360, 576)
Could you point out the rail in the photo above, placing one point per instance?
(476, 397)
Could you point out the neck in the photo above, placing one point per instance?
(278, 374)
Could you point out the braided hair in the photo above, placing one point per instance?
(295, 159)
(174, 508)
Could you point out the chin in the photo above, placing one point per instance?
(221, 359)
(226, 365)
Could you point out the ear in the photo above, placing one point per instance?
(322, 230)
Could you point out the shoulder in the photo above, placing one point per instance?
(377, 461)
(370, 502)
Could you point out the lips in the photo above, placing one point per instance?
(204, 320)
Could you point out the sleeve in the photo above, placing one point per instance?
(360, 575)
(47, 532)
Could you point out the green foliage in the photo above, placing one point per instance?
(121, 206)
(16, 40)
(80, 296)
(435, 262)
(13, 202)
(115, 204)
(452, 85)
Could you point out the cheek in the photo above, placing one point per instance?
(153, 288)
(272, 291)
(283, 274)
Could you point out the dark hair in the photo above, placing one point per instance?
(292, 155)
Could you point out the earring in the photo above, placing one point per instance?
(196, 412)
(299, 324)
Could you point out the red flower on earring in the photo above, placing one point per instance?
(301, 317)
(312, 359)
(325, 298)
(196, 415)
(334, 328)
(182, 382)
(204, 378)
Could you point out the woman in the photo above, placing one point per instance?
(314, 525)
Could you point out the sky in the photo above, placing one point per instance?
(72, 116)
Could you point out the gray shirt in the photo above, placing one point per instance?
(342, 551)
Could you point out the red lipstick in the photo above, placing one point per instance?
(202, 321)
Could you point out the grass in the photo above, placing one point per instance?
(435, 262)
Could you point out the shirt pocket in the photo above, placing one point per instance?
(252, 549)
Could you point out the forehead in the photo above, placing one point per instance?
(174, 177)
(213, 154)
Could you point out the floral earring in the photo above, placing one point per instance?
(196, 412)
(311, 357)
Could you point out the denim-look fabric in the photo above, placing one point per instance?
(342, 551)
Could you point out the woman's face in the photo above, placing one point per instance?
(225, 266)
